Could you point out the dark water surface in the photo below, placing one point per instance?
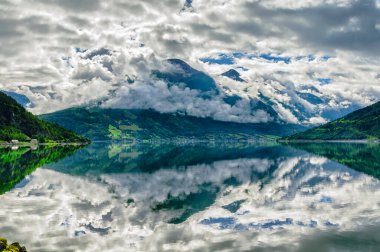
(204, 197)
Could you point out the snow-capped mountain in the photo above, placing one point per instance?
(282, 102)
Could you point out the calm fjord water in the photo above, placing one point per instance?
(220, 197)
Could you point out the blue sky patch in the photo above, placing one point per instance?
(275, 59)
(223, 59)
(325, 199)
(311, 224)
(325, 81)
(224, 222)
(325, 58)
(239, 55)
(230, 223)
(309, 57)
(229, 59)
(80, 50)
(272, 224)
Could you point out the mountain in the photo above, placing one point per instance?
(187, 7)
(18, 124)
(310, 103)
(180, 73)
(234, 75)
(19, 98)
(121, 124)
(305, 104)
(361, 124)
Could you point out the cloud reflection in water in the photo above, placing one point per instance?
(274, 197)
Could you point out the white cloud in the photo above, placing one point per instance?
(40, 41)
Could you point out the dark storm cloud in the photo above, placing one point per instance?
(212, 33)
(74, 5)
(327, 27)
(8, 29)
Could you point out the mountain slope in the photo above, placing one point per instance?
(183, 74)
(121, 124)
(361, 124)
(19, 98)
(234, 75)
(18, 124)
(284, 102)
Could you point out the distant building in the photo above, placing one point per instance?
(34, 142)
(15, 142)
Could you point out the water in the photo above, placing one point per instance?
(207, 197)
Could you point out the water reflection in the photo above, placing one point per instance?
(361, 157)
(197, 197)
(124, 158)
(17, 163)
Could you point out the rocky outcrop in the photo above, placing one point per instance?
(14, 247)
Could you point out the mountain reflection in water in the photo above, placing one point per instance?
(199, 197)
(17, 163)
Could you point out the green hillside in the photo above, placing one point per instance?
(18, 124)
(121, 124)
(359, 125)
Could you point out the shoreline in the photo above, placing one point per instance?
(4, 144)
(26, 144)
(360, 141)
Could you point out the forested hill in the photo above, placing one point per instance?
(359, 125)
(122, 124)
(16, 123)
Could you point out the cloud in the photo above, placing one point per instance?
(68, 48)
(349, 26)
(75, 5)
(157, 95)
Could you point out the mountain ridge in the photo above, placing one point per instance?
(16, 123)
(123, 124)
(362, 124)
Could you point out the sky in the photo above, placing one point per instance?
(64, 53)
